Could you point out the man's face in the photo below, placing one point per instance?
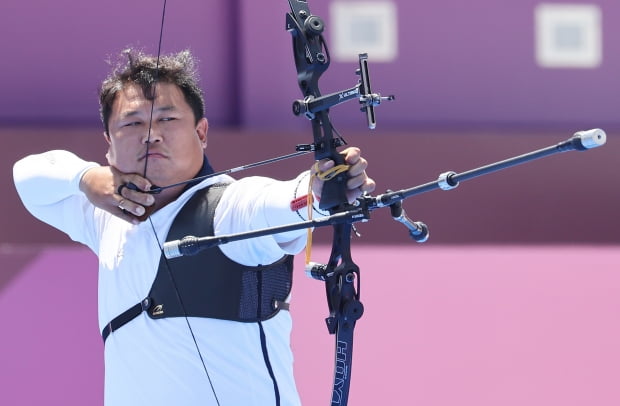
(176, 142)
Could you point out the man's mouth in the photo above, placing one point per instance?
(152, 154)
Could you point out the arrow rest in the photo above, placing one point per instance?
(312, 59)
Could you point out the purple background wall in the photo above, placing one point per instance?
(458, 62)
(54, 54)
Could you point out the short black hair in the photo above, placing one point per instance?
(136, 67)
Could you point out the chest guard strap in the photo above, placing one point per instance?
(210, 284)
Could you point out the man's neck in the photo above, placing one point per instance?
(167, 196)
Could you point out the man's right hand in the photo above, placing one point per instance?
(106, 188)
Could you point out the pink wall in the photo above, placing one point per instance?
(480, 325)
(50, 351)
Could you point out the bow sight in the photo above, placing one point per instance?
(311, 105)
(312, 59)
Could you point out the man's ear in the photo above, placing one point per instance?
(109, 141)
(202, 127)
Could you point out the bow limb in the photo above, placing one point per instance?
(342, 289)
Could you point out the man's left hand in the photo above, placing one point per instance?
(358, 182)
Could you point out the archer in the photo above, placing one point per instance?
(212, 329)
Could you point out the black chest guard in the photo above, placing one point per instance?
(209, 284)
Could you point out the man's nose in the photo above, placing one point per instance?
(152, 135)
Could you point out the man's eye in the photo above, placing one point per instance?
(133, 124)
(168, 118)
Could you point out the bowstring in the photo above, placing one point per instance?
(168, 267)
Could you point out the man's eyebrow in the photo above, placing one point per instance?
(165, 108)
(130, 113)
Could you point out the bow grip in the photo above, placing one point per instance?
(334, 193)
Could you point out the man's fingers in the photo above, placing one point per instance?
(137, 196)
(358, 167)
(362, 182)
(129, 180)
(351, 155)
(323, 165)
(124, 213)
(128, 207)
(358, 182)
(131, 193)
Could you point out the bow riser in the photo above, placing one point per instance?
(341, 273)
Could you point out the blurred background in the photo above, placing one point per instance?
(513, 300)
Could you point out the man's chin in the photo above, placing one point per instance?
(158, 181)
